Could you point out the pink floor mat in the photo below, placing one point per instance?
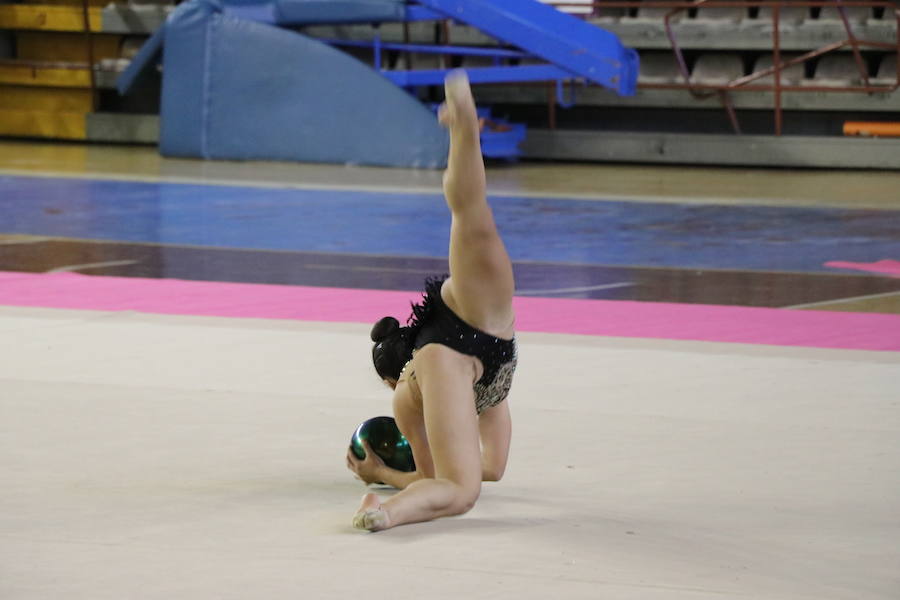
(781, 327)
(881, 267)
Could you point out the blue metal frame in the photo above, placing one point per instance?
(577, 49)
(479, 75)
(427, 49)
(420, 13)
(580, 48)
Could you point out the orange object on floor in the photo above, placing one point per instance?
(873, 129)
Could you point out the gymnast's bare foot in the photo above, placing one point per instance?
(371, 515)
(459, 108)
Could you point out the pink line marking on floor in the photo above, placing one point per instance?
(882, 267)
(859, 331)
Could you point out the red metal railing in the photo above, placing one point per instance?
(745, 83)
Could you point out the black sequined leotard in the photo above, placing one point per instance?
(435, 323)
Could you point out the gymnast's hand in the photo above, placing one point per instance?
(368, 469)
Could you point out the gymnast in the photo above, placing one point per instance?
(451, 367)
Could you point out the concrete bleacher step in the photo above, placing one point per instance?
(607, 15)
(887, 71)
(719, 16)
(836, 70)
(717, 69)
(571, 8)
(599, 14)
(653, 15)
(789, 17)
(791, 76)
(829, 15)
(659, 68)
(886, 19)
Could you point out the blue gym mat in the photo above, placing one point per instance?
(555, 230)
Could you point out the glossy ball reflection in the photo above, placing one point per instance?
(387, 442)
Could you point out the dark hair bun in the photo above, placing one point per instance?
(384, 328)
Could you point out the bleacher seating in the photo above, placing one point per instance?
(828, 15)
(887, 71)
(659, 68)
(717, 69)
(884, 18)
(604, 15)
(716, 16)
(792, 75)
(836, 70)
(788, 16)
(574, 10)
(654, 15)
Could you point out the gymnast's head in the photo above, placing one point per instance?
(392, 350)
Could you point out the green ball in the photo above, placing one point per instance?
(387, 442)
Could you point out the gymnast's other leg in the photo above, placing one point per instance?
(448, 403)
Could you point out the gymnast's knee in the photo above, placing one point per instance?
(464, 499)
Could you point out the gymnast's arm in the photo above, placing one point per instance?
(395, 478)
(495, 428)
(411, 422)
